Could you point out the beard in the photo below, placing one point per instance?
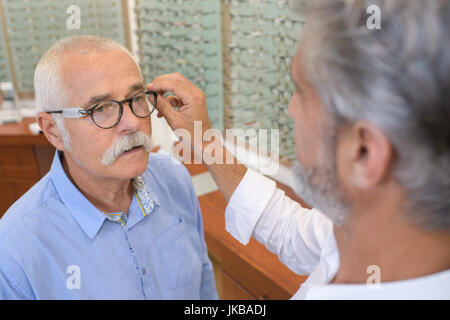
(319, 187)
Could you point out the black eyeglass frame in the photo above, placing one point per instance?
(77, 112)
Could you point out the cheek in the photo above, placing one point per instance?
(305, 134)
(344, 163)
(89, 144)
(146, 127)
(304, 146)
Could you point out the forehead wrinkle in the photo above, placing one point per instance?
(129, 69)
(108, 96)
(99, 98)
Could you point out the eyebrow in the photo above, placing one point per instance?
(97, 99)
(107, 96)
(135, 87)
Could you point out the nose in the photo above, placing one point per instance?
(291, 107)
(128, 123)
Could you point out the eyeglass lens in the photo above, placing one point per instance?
(108, 113)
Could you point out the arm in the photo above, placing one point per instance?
(208, 290)
(191, 104)
(10, 291)
(227, 176)
(256, 207)
(14, 284)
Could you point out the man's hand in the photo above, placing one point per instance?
(189, 100)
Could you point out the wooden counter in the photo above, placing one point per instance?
(24, 159)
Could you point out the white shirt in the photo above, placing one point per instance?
(304, 241)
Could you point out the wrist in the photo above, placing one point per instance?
(200, 146)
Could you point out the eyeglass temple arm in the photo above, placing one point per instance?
(71, 113)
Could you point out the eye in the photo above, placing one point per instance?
(99, 109)
(138, 98)
(103, 107)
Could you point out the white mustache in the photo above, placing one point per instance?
(126, 143)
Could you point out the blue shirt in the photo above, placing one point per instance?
(55, 244)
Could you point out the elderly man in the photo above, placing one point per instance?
(108, 221)
(371, 112)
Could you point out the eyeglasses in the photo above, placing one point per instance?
(107, 114)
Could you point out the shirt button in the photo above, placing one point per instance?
(143, 271)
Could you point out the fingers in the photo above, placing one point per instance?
(189, 100)
(177, 84)
(166, 110)
(175, 101)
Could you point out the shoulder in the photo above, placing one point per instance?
(22, 224)
(165, 167)
(27, 206)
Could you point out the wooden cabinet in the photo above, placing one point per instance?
(24, 159)
(230, 289)
(11, 190)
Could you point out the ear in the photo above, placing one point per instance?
(50, 129)
(371, 155)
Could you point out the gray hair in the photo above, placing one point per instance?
(50, 90)
(398, 78)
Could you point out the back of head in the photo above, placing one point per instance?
(396, 77)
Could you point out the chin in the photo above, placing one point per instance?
(135, 171)
(131, 168)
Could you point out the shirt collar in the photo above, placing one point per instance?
(141, 206)
(84, 212)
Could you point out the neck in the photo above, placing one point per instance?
(106, 194)
(400, 250)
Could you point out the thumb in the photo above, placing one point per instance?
(166, 110)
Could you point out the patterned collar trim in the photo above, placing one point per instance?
(146, 203)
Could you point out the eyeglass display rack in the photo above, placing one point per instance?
(33, 26)
(5, 74)
(185, 37)
(237, 51)
(261, 37)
